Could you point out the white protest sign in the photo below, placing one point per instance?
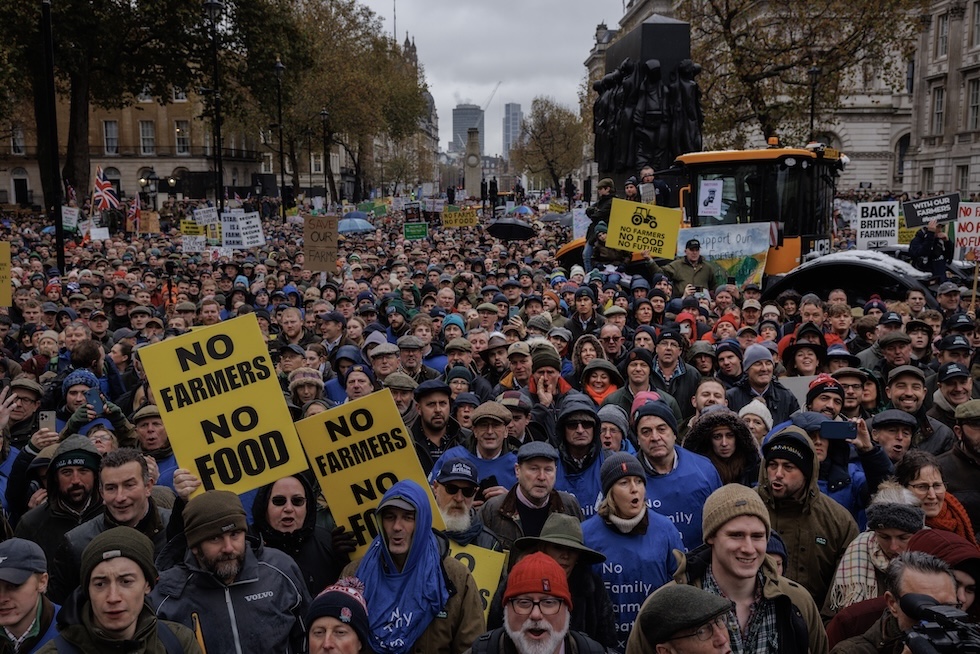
(967, 229)
(877, 224)
(194, 243)
(709, 198)
(231, 236)
(580, 222)
(100, 233)
(69, 217)
(206, 216)
(250, 228)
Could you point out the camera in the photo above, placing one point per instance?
(941, 630)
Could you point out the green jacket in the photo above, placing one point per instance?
(701, 274)
(77, 628)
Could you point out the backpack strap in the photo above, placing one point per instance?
(169, 639)
(488, 643)
(586, 645)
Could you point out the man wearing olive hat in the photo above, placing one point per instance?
(239, 595)
(488, 451)
(682, 619)
(111, 605)
(761, 607)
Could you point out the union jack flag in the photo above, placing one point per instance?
(104, 196)
(238, 198)
(133, 217)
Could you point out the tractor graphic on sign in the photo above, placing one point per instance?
(642, 216)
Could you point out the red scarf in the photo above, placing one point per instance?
(598, 397)
(954, 518)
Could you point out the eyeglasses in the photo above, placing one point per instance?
(467, 491)
(938, 487)
(295, 500)
(100, 437)
(851, 387)
(611, 339)
(25, 400)
(547, 606)
(575, 424)
(705, 632)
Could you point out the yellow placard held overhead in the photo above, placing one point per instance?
(358, 451)
(485, 565)
(643, 227)
(465, 218)
(223, 407)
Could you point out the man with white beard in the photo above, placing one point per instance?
(537, 612)
(455, 489)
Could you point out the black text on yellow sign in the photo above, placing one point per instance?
(637, 227)
(358, 451)
(223, 407)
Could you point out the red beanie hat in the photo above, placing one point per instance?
(538, 573)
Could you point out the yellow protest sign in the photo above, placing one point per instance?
(637, 227)
(320, 238)
(358, 451)
(465, 218)
(557, 207)
(191, 228)
(222, 405)
(485, 565)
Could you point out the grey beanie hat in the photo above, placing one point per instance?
(755, 353)
(613, 413)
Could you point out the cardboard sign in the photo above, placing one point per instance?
(941, 208)
(877, 224)
(320, 239)
(224, 410)
(638, 227)
(485, 565)
(149, 223)
(738, 251)
(69, 218)
(206, 216)
(358, 451)
(6, 288)
(459, 218)
(416, 231)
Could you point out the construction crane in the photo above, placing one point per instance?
(462, 137)
(490, 99)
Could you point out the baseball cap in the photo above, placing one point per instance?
(19, 559)
(693, 244)
(458, 469)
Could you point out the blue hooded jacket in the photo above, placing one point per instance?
(403, 602)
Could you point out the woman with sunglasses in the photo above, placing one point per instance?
(285, 514)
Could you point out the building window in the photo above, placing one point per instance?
(234, 177)
(267, 163)
(17, 145)
(208, 138)
(901, 152)
(927, 178)
(975, 26)
(963, 179)
(145, 95)
(148, 138)
(938, 110)
(180, 95)
(182, 136)
(316, 163)
(973, 106)
(942, 36)
(110, 136)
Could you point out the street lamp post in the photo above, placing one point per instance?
(149, 183)
(324, 118)
(214, 9)
(280, 69)
(814, 73)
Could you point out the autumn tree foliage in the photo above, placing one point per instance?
(552, 138)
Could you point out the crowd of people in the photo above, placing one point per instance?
(633, 442)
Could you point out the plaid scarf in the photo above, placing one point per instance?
(856, 579)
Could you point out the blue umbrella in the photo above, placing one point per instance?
(48, 230)
(521, 210)
(356, 214)
(354, 225)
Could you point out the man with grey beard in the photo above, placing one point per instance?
(537, 612)
(455, 490)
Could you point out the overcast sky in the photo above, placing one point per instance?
(533, 47)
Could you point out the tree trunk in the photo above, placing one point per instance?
(78, 160)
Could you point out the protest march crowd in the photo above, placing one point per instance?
(669, 464)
